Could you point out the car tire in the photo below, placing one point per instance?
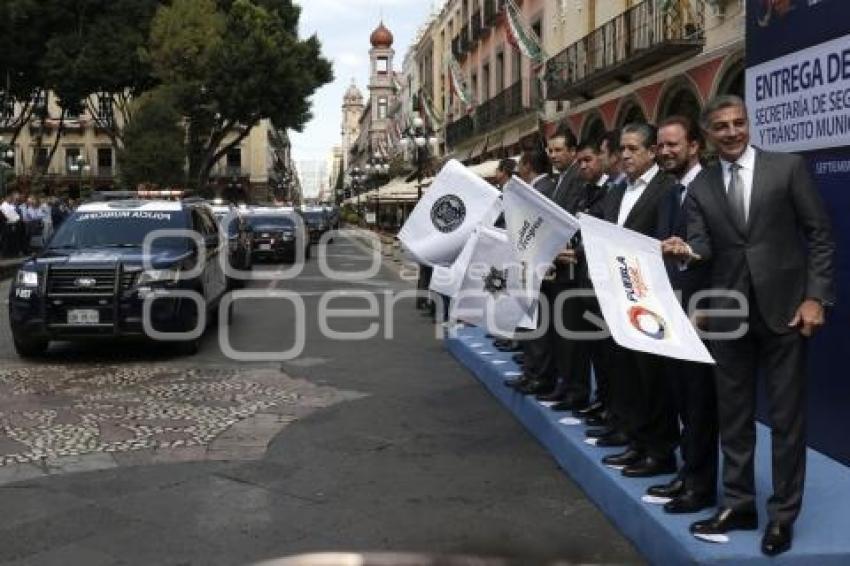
(29, 348)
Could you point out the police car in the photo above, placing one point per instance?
(92, 278)
(278, 232)
(233, 224)
(318, 221)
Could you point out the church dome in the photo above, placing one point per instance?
(353, 94)
(381, 37)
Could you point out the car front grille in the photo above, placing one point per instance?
(64, 281)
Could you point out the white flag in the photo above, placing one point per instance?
(635, 294)
(538, 230)
(491, 294)
(441, 222)
(447, 280)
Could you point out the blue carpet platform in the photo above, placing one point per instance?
(822, 534)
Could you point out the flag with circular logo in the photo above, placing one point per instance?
(442, 221)
(634, 292)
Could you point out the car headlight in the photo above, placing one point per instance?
(159, 276)
(27, 278)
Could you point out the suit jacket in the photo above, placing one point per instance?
(569, 189)
(672, 221)
(643, 217)
(784, 255)
(546, 186)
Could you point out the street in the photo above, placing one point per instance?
(130, 453)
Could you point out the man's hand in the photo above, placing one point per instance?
(567, 257)
(677, 248)
(809, 317)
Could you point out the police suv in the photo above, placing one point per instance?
(92, 279)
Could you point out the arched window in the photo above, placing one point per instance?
(732, 81)
(593, 127)
(680, 100)
(630, 113)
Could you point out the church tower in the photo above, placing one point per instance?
(381, 86)
(352, 110)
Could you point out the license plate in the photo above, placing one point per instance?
(265, 246)
(83, 316)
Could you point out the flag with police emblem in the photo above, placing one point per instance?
(444, 218)
(491, 293)
(634, 292)
(538, 230)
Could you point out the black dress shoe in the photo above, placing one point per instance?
(614, 439)
(570, 405)
(535, 387)
(650, 466)
(623, 459)
(517, 382)
(673, 488)
(599, 432)
(599, 419)
(689, 502)
(593, 408)
(555, 395)
(725, 520)
(777, 539)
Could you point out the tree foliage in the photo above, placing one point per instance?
(226, 64)
(154, 141)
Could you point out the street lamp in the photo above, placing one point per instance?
(357, 178)
(419, 139)
(376, 167)
(7, 153)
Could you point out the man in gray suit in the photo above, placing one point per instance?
(759, 219)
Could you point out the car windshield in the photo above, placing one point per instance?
(271, 221)
(120, 228)
(314, 216)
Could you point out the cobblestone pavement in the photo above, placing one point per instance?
(77, 417)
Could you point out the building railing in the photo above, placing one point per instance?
(643, 32)
(505, 105)
(491, 12)
(459, 130)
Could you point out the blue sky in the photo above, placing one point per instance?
(344, 26)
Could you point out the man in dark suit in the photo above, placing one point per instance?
(692, 384)
(760, 220)
(641, 404)
(571, 388)
(538, 365)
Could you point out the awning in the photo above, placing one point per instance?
(511, 137)
(486, 169)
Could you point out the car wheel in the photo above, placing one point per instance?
(29, 348)
(189, 347)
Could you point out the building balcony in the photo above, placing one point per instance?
(459, 131)
(477, 27)
(623, 48)
(502, 107)
(456, 48)
(492, 8)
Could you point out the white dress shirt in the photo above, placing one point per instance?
(633, 192)
(688, 178)
(747, 161)
(9, 212)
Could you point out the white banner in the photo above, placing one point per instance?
(443, 219)
(538, 230)
(634, 292)
(447, 280)
(801, 102)
(491, 293)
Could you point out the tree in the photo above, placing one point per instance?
(234, 63)
(154, 148)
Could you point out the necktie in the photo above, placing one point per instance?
(676, 205)
(735, 195)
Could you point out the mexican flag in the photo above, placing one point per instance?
(522, 37)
